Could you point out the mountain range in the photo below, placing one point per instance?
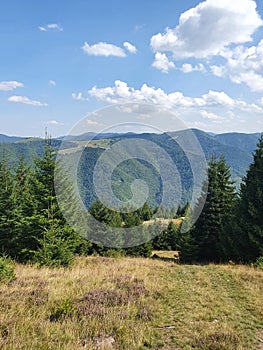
(237, 148)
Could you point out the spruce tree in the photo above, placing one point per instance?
(53, 241)
(208, 231)
(248, 238)
(25, 210)
(7, 212)
(168, 239)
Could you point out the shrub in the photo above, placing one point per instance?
(6, 269)
(259, 263)
(65, 309)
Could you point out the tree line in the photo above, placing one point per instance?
(33, 229)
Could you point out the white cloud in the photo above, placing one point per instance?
(162, 63)
(78, 96)
(210, 115)
(26, 100)
(103, 49)
(214, 111)
(122, 93)
(209, 28)
(91, 122)
(217, 70)
(188, 68)
(128, 46)
(52, 83)
(54, 122)
(9, 85)
(51, 26)
(243, 65)
(213, 98)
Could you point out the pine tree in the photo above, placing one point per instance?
(209, 228)
(248, 238)
(105, 215)
(53, 241)
(168, 239)
(25, 209)
(145, 212)
(7, 212)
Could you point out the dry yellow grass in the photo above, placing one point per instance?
(169, 254)
(164, 222)
(138, 303)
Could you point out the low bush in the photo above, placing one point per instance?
(7, 272)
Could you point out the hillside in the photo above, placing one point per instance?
(245, 142)
(132, 304)
(10, 139)
(236, 148)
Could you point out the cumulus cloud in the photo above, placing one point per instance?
(52, 83)
(9, 85)
(210, 115)
(91, 122)
(25, 100)
(213, 111)
(78, 96)
(51, 26)
(54, 122)
(188, 68)
(129, 47)
(103, 49)
(243, 65)
(122, 93)
(162, 63)
(209, 28)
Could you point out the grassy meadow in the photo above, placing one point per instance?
(132, 304)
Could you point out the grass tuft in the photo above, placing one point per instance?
(132, 304)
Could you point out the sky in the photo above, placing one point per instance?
(61, 60)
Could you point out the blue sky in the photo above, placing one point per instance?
(60, 60)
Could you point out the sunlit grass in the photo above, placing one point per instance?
(132, 304)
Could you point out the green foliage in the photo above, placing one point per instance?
(7, 210)
(105, 215)
(114, 253)
(142, 250)
(248, 233)
(62, 311)
(209, 230)
(6, 269)
(168, 239)
(172, 238)
(33, 228)
(259, 263)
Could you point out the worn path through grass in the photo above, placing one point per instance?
(132, 304)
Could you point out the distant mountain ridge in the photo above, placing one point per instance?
(237, 148)
(10, 139)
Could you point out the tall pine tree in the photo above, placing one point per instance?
(248, 238)
(54, 241)
(208, 231)
(7, 212)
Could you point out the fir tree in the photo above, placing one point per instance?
(209, 228)
(53, 241)
(7, 210)
(248, 238)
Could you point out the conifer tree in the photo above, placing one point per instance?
(168, 239)
(7, 212)
(54, 241)
(209, 228)
(25, 210)
(248, 238)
